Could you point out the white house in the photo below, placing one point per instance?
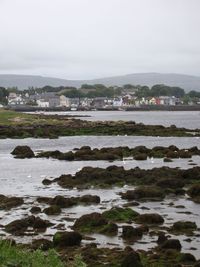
(42, 103)
(65, 101)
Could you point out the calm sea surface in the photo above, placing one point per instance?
(187, 119)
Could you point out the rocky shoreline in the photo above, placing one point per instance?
(54, 126)
(124, 221)
(109, 153)
(110, 216)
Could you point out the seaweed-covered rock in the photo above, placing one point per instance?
(46, 182)
(90, 222)
(18, 227)
(192, 174)
(150, 218)
(7, 203)
(171, 244)
(144, 192)
(90, 199)
(161, 238)
(170, 183)
(167, 160)
(185, 154)
(52, 210)
(131, 233)
(63, 202)
(187, 258)
(67, 239)
(23, 152)
(44, 200)
(35, 210)
(194, 192)
(132, 259)
(109, 229)
(140, 156)
(186, 227)
(118, 214)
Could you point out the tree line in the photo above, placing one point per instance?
(100, 90)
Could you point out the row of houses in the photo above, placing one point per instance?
(51, 100)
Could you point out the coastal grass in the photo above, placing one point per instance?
(12, 255)
(14, 118)
(17, 256)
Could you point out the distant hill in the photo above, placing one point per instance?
(186, 82)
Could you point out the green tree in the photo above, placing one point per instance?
(3, 96)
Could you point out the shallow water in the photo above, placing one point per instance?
(23, 177)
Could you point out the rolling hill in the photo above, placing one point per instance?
(186, 82)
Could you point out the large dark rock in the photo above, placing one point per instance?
(170, 183)
(63, 202)
(187, 258)
(150, 218)
(171, 244)
(131, 233)
(67, 239)
(144, 192)
(140, 156)
(90, 199)
(161, 238)
(52, 210)
(118, 214)
(23, 152)
(18, 227)
(90, 222)
(183, 227)
(7, 203)
(109, 229)
(35, 210)
(132, 259)
(194, 192)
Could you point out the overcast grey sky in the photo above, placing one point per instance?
(76, 39)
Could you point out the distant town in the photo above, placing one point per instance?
(97, 97)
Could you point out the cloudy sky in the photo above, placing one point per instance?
(80, 39)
